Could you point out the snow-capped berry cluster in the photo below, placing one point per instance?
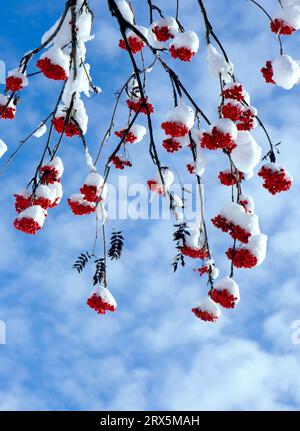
(94, 188)
(136, 105)
(249, 255)
(52, 171)
(32, 206)
(221, 135)
(30, 220)
(93, 192)
(22, 200)
(165, 28)
(276, 178)
(132, 136)
(234, 91)
(283, 71)
(235, 220)
(15, 81)
(179, 121)
(135, 42)
(177, 126)
(231, 109)
(102, 300)
(236, 106)
(162, 181)
(7, 107)
(54, 64)
(286, 19)
(226, 293)
(184, 46)
(80, 206)
(194, 245)
(63, 125)
(230, 177)
(207, 310)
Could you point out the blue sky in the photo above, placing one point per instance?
(152, 353)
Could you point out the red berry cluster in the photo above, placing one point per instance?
(217, 140)
(191, 168)
(7, 113)
(50, 70)
(14, 83)
(162, 34)
(223, 297)
(267, 72)
(175, 129)
(235, 231)
(171, 145)
(43, 202)
(278, 26)
(203, 270)
(130, 137)
(21, 202)
(69, 128)
(97, 304)
(246, 122)
(204, 315)
(24, 202)
(235, 92)
(25, 199)
(276, 181)
(155, 187)
(90, 193)
(195, 253)
(235, 110)
(49, 174)
(135, 106)
(241, 257)
(135, 43)
(27, 225)
(231, 111)
(78, 208)
(120, 163)
(230, 178)
(184, 54)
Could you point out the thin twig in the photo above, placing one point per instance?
(272, 21)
